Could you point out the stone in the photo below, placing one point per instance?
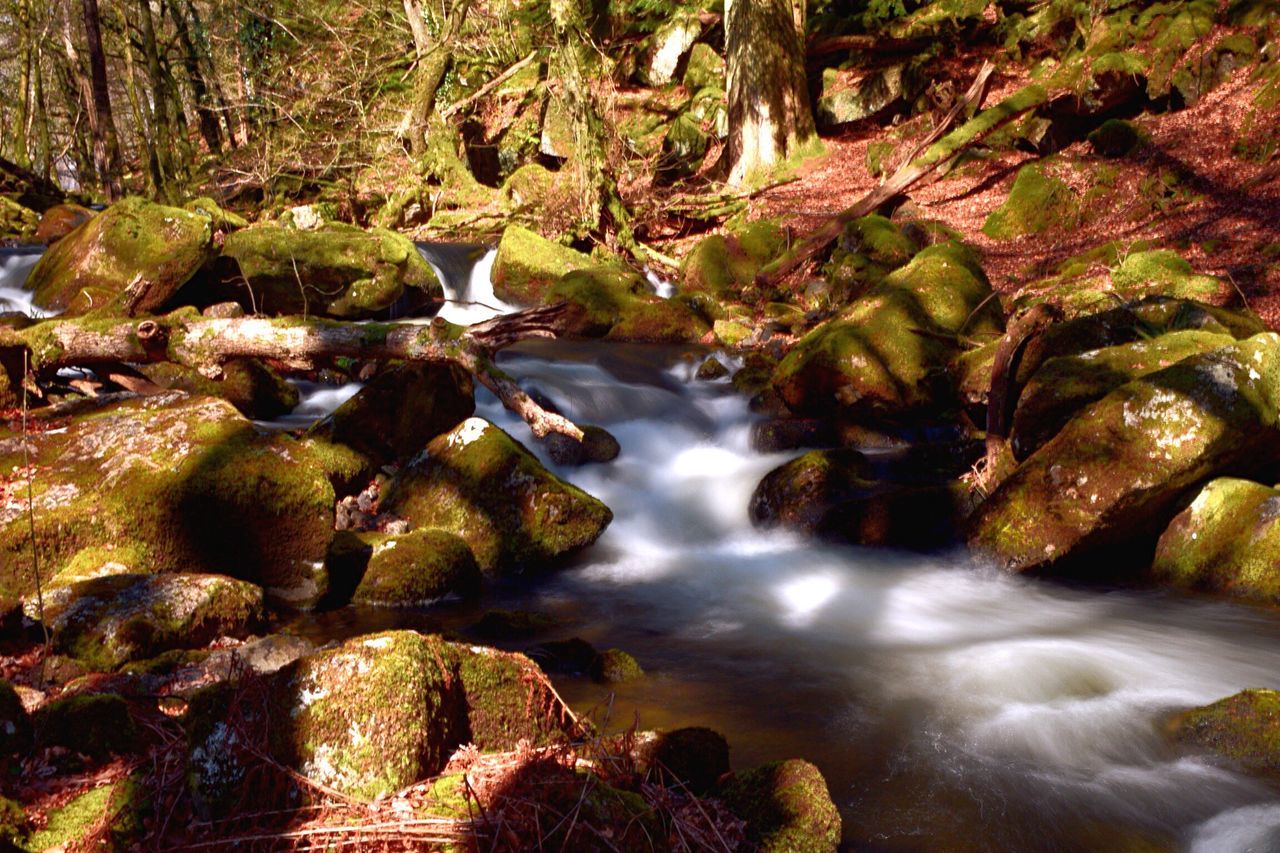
(416, 568)
(255, 389)
(850, 95)
(527, 265)
(59, 221)
(614, 666)
(1244, 728)
(667, 46)
(1037, 202)
(787, 807)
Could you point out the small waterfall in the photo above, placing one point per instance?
(467, 282)
(15, 266)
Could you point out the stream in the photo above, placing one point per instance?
(948, 706)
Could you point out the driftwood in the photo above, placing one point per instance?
(206, 344)
(937, 151)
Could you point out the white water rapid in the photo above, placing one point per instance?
(15, 266)
(949, 707)
(468, 287)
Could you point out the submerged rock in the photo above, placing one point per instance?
(481, 484)
(787, 807)
(111, 620)
(1244, 728)
(135, 244)
(1116, 470)
(1227, 541)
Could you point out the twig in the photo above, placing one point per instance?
(31, 520)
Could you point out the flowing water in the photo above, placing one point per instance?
(15, 265)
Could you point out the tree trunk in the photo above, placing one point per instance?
(161, 123)
(44, 141)
(22, 104)
(769, 114)
(102, 126)
(200, 38)
(210, 130)
(432, 65)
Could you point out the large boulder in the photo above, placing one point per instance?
(1115, 471)
(787, 807)
(481, 484)
(850, 95)
(1226, 541)
(255, 389)
(667, 46)
(111, 620)
(887, 355)
(619, 305)
(527, 265)
(725, 265)
(416, 568)
(177, 483)
(59, 221)
(1036, 203)
(1244, 728)
(133, 247)
(336, 270)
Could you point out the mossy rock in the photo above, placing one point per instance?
(98, 725)
(667, 46)
(694, 757)
(254, 388)
(527, 265)
(416, 568)
(787, 807)
(163, 479)
(15, 723)
(1227, 542)
(1065, 384)
(711, 369)
(1115, 138)
(59, 221)
(133, 241)
(614, 666)
(481, 484)
(725, 265)
(17, 221)
(868, 250)
(1244, 728)
(850, 95)
(704, 68)
(122, 804)
(402, 408)
(111, 620)
(223, 220)
(1166, 273)
(1210, 70)
(1113, 474)
(529, 188)
(683, 149)
(619, 305)
(887, 355)
(333, 271)
(1037, 202)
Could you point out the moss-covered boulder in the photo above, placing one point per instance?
(122, 806)
(1167, 273)
(254, 388)
(402, 408)
(887, 355)
(786, 806)
(97, 725)
(850, 95)
(683, 149)
(528, 264)
(617, 304)
(1227, 541)
(17, 222)
(223, 220)
(133, 246)
(1244, 728)
(1037, 202)
(667, 46)
(614, 666)
(725, 265)
(704, 69)
(1066, 384)
(1115, 138)
(59, 221)
(416, 568)
(1113, 474)
(694, 757)
(480, 483)
(111, 620)
(164, 479)
(335, 271)
(868, 250)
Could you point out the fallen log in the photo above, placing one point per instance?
(206, 344)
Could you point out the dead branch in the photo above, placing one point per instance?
(458, 106)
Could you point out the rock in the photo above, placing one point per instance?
(619, 305)
(122, 806)
(109, 621)
(1115, 471)
(478, 482)
(683, 149)
(132, 243)
(850, 95)
(529, 188)
(1037, 202)
(334, 271)
(712, 369)
(1065, 384)
(1115, 138)
(416, 568)
(777, 435)
(527, 265)
(694, 758)
(223, 220)
(1165, 273)
(1193, 80)
(786, 806)
(15, 723)
(597, 446)
(614, 666)
(868, 250)
(513, 624)
(100, 482)
(59, 221)
(704, 70)
(98, 725)
(725, 265)
(574, 656)
(886, 357)
(402, 408)
(1244, 728)
(17, 221)
(255, 389)
(1226, 542)
(667, 46)
(1136, 276)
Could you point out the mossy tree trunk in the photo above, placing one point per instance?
(769, 113)
(102, 126)
(187, 34)
(22, 101)
(434, 59)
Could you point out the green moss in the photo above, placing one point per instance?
(1165, 272)
(725, 265)
(704, 68)
(786, 806)
(1115, 138)
(614, 666)
(507, 699)
(528, 264)
(73, 821)
(16, 221)
(1244, 728)
(223, 219)
(97, 725)
(615, 303)
(694, 757)
(14, 828)
(417, 568)
(1037, 202)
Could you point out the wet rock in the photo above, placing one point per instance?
(528, 264)
(574, 656)
(402, 408)
(1065, 384)
(1037, 202)
(59, 221)
(134, 244)
(886, 356)
(787, 807)
(1244, 728)
(597, 446)
(712, 369)
(619, 305)
(334, 271)
(1114, 473)
(694, 758)
(416, 568)
(111, 620)
(614, 666)
(481, 484)
(255, 389)
(779, 434)
(1227, 541)
(97, 725)
(162, 480)
(513, 624)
